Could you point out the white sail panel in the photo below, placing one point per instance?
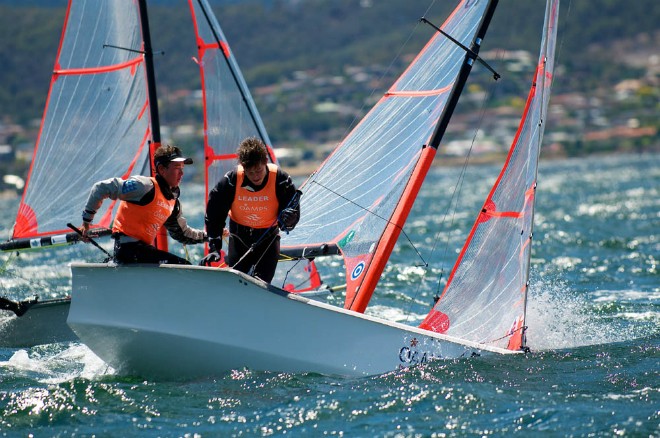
(230, 114)
(96, 120)
(485, 297)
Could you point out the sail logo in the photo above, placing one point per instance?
(357, 271)
(253, 198)
(249, 208)
(346, 239)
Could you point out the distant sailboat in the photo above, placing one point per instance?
(195, 321)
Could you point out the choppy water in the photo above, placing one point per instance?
(594, 318)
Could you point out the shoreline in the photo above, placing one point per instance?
(306, 169)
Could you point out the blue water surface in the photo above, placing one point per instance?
(593, 316)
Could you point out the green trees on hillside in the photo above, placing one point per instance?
(274, 39)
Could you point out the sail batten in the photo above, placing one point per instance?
(100, 69)
(419, 93)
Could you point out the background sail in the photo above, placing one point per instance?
(484, 299)
(230, 114)
(96, 121)
(351, 200)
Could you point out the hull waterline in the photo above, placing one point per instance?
(179, 322)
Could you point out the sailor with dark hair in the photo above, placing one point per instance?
(146, 204)
(260, 199)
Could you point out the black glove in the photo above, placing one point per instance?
(288, 219)
(215, 245)
(209, 259)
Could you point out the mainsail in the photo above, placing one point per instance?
(96, 121)
(101, 115)
(486, 293)
(358, 200)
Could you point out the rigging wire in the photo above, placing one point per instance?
(456, 195)
(289, 271)
(425, 263)
(452, 208)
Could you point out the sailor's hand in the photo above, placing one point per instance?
(213, 257)
(84, 228)
(288, 219)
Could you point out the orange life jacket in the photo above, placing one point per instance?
(143, 221)
(255, 209)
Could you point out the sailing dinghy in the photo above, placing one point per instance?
(194, 321)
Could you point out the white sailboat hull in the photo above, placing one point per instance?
(186, 321)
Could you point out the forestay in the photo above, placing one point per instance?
(486, 294)
(358, 200)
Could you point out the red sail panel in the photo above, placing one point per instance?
(303, 280)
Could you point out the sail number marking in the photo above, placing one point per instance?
(410, 355)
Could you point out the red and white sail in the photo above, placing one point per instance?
(100, 120)
(486, 293)
(357, 202)
(96, 121)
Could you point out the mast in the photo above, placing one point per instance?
(151, 76)
(466, 68)
(161, 237)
